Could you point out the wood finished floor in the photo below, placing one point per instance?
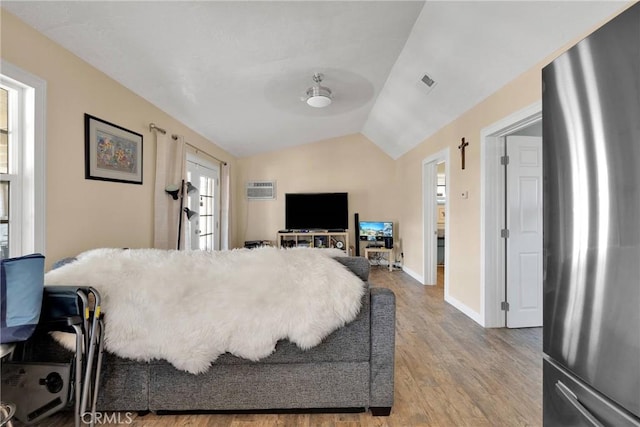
(449, 372)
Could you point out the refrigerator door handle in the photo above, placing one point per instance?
(570, 397)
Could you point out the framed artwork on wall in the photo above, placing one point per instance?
(112, 153)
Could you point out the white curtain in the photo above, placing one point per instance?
(225, 190)
(170, 170)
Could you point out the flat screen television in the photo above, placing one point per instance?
(316, 211)
(375, 230)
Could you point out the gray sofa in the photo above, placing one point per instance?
(351, 368)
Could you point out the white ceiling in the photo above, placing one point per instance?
(234, 71)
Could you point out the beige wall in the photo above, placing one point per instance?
(350, 164)
(83, 214)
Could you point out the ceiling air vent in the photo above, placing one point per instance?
(261, 190)
(429, 82)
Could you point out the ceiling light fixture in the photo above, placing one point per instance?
(318, 96)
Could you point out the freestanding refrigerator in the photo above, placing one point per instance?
(591, 146)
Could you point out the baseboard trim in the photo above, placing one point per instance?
(474, 315)
(413, 274)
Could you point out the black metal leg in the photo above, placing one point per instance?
(382, 411)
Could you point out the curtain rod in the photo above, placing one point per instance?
(198, 150)
(153, 126)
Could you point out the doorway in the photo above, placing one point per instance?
(499, 271)
(441, 196)
(202, 220)
(435, 178)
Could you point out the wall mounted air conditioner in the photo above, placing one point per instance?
(261, 190)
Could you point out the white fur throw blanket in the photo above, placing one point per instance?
(188, 307)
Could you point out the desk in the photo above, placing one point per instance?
(389, 253)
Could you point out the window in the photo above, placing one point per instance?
(22, 105)
(4, 171)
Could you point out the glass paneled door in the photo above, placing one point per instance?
(202, 213)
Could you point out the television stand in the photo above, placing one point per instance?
(380, 250)
(314, 239)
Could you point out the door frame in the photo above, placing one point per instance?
(430, 219)
(492, 215)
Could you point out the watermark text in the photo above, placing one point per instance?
(107, 418)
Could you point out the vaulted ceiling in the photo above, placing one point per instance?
(235, 71)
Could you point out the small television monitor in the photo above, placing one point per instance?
(316, 211)
(375, 230)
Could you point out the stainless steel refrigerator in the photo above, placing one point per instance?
(591, 146)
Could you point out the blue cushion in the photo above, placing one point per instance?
(22, 284)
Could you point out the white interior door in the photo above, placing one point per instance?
(524, 222)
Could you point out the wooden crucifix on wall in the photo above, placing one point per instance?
(461, 147)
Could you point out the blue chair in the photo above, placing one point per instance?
(21, 289)
(38, 386)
